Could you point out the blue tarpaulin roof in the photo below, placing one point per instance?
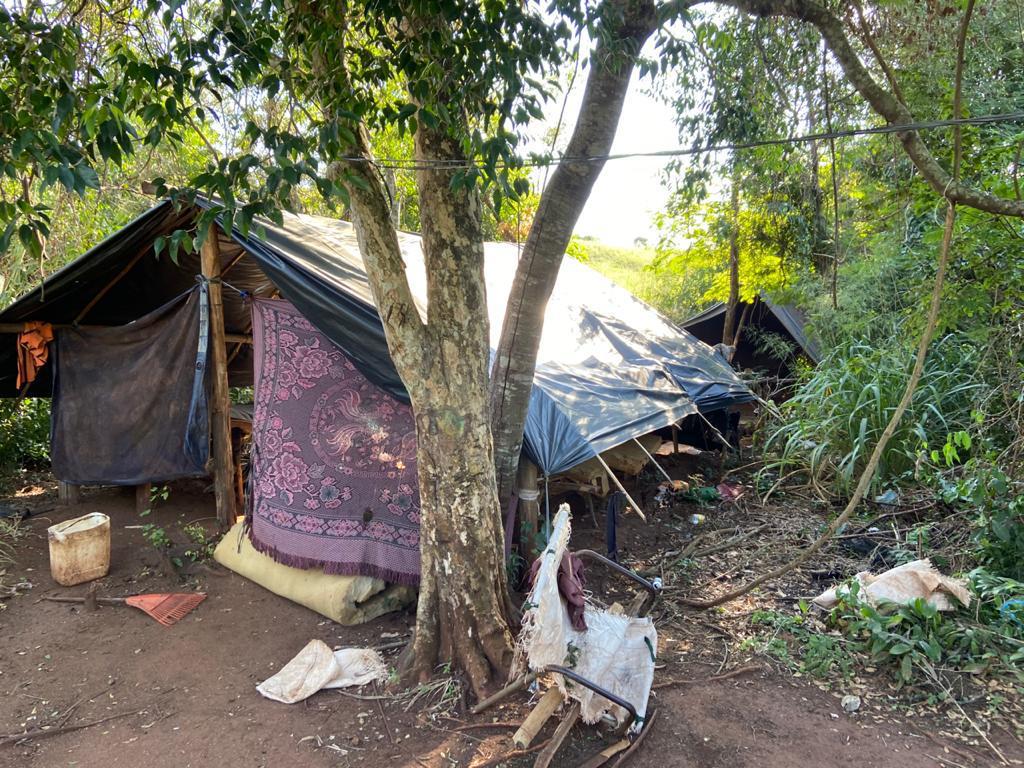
(610, 368)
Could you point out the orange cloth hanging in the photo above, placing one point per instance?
(33, 350)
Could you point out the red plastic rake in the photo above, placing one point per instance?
(166, 607)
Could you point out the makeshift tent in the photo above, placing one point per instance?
(760, 317)
(610, 368)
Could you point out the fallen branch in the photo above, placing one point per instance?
(475, 726)
(38, 733)
(869, 470)
(729, 544)
(711, 679)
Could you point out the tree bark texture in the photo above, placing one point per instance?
(463, 604)
(625, 27)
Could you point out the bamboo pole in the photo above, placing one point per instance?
(653, 460)
(220, 407)
(619, 485)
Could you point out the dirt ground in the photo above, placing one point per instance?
(190, 689)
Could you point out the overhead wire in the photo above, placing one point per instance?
(543, 162)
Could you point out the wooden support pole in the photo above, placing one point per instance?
(106, 289)
(619, 485)
(529, 508)
(220, 407)
(653, 460)
(67, 493)
(143, 495)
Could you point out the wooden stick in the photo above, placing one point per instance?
(606, 754)
(234, 261)
(538, 717)
(653, 460)
(38, 733)
(106, 289)
(501, 759)
(143, 494)
(516, 685)
(619, 485)
(68, 493)
(713, 678)
(220, 407)
(544, 758)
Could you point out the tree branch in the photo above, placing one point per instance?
(882, 101)
(626, 26)
(867, 475)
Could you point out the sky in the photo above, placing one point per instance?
(629, 191)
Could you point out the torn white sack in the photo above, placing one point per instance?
(317, 667)
(902, 585)
(616, 652)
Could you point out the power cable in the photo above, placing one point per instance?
(542, 162)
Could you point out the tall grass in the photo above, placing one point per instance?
(827, 430)
(669, 293)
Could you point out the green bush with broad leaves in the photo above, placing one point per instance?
(24, 432)
(915, 640)
(967, 474)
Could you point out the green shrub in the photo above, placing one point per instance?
(913, 641)
(828, 429)
(996, 502)
(24, 432)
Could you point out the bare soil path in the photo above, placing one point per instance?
(191, 687)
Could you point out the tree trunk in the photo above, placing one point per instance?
(886, 104)
(819, 237)
(732, 305)
(626, 25)
(461, 617)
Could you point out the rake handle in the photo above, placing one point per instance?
(99, 600)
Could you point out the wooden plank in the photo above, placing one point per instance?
(67, 493)
(143, 495)
(538, 716)
(220, 406)
(548, 753)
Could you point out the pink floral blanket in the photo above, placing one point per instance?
(333, 478)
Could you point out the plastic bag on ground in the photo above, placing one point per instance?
(904, 584)
(317, 667)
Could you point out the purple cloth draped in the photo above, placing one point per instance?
(333, 477)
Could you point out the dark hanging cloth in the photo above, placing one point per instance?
(130, 402)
